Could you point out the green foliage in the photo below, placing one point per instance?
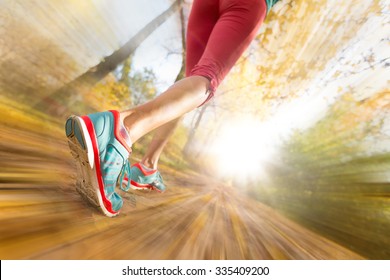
(332, 179)
(142, 86)
(123, 88)
(173, 152)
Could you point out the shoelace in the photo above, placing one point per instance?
(125, 172)
(158, 181)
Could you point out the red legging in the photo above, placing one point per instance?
(219, 31)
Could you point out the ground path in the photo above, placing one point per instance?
(43, 217)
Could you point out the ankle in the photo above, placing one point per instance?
(133, 122)
(127, 121)
(149, 163)
(124, 133)
(124, 117)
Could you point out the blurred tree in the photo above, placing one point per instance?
(126, 70)
(142, 86)
(109, 93)
(333, 177)
(69, 94)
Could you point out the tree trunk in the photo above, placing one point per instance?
(61, 99)
(182, 73)
(194, 128)
(111, 62)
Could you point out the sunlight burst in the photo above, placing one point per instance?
(242, 149)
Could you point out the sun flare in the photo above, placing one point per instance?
(242, 148)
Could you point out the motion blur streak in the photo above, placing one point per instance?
(324, 192)
(43, 217)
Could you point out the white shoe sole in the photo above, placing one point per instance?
(87, 184)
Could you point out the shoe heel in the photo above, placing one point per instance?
(73, 130)
(86, 184)
(69, 127)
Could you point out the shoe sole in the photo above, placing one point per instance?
(137, 186)
(82, 149)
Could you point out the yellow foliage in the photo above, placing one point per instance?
(109, 94)
(295, 44)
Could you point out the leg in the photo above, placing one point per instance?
(204, 15)
(231, 35)
(179, 99)
(164, 110)
(160, 139)
(97, 140)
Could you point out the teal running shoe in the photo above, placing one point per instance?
(143, 179)
(101, 147)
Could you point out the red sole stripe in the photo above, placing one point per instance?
(91, 132)
(144, 186)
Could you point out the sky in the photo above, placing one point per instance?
(161, 52)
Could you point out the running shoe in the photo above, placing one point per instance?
(101, 147)
(142, 178)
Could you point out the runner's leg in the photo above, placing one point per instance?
(236, 27)
(203, 16)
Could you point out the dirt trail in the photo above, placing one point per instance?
(43, 217)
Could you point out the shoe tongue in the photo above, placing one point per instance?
(121, 133)
(148, 169)
(125, 135)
